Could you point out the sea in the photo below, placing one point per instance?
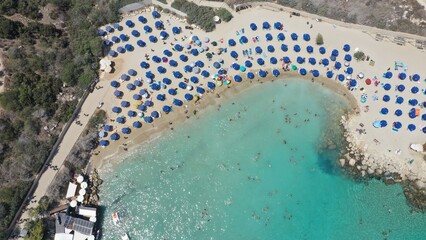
(261, 165)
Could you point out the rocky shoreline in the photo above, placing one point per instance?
(362, 166)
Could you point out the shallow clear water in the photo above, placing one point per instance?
(253, 171)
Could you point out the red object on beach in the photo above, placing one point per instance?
(368, 81)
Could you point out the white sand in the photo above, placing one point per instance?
(384, 53)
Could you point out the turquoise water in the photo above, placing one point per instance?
(253, 170)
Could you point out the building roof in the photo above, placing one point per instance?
(79, 225)
(59, 223)
(72, 189)
(79, 236)
(87, 211)
(64, 236)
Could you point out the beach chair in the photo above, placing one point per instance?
(251, 52)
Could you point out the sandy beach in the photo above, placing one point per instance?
(387, 150)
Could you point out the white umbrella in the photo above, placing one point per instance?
(82, 192)
(80, 198)
(83, 185)
(361, 75)
(80, 179)
(92, 219)
(73, 203)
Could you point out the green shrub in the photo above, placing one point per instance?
(224, 14)
(319, 40)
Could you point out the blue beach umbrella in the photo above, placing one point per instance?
(187, 68)
(107, 42)
(397, 125)
(104, 143)
(182, 85)
(280, 37)
(260, 61)
(271, 49)
(177, 74)
(349, 70)
(148, 119)
(335, 52)
(415, 77)
(131, 86)
(149, 75)
(125, 104)
(303, 72)
(115, 136)
(116, 109)
(273, 60)
(161, 69)
(168, 53)
(121, 49)
(296, 48)
(137, 96)
(173, 63)
(341, 77)
(387, 86)
(109, 28)
(194, 79)
(115, 84)
(258, 50)
(132, 72)
(325, 62)
(384, 111)
(309, 49)
(144, 65)
(398, 112)
(156, 14)
(286, 59)
(414, 90)
(262, 73)
(386, 98)
(412, 113)
(115, 39)
(253, 26)
(194, 52)
(306, 37)
(383, 123)
(312, 61)
(300, 60)
(278, 25)
(243, 39)
(216, 65)
(177, 102)
(330, 74)
(118, 93)
(129, 47)
(142, 19)
(155, 114)
(322, 50)
(402, 76)
(129, 23)
(268, 37)
(167, 81)
(153, 39)
(131, 113)
(164, 35)
(388, 75)
(156, 59)
(183, 58)
(137, 124)
(142, 107)
(231, 42)
(238, 78)
(401, 88)
(135, 33)
(155, 87)
(235, 66)
(176, 30)
(411, 127)
(120, 120)
(352, 83)
(413, 102)
(188, 97)
(266, 25)
(348, 57)
(250, 75)
(346, 48)
(211, 85)
(315, 73)
(284, 47)
(276, 72)
(123, 37)
(117, 26)
(141, 43)
(234, 54)
(161, 97)
(178, 47)
(399, 100)
(172, 91)
(148, 103)
(200, 90)
(337, 65)
(147, 29)
(294, 36)
(167, 109)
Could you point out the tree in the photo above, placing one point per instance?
(359, 55)
(36, 230)
(319, 39)
(224, 14)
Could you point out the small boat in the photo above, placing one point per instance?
(115, 218)
(98, 234)
(125, 237)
